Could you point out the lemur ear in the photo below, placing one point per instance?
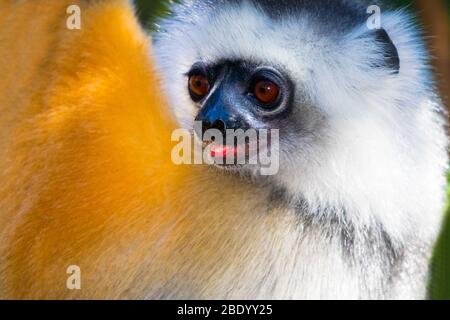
(391, 57)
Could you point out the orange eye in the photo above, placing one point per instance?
(266, 92)
(198, 86)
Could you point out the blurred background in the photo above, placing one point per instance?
(433, 16)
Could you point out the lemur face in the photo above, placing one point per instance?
(239, 96)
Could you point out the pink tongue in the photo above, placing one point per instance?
(222, 151)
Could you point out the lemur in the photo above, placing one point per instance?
(88, 182)
(363, 150)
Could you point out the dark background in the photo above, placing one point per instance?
(433, 15)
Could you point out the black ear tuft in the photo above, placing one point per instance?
(392, 59)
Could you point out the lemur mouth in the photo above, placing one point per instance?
(228, 155)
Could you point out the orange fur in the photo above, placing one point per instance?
(85, 170)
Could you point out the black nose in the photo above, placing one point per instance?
(215, 116)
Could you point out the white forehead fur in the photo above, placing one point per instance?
(382, 153)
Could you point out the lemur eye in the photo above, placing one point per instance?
(266, 92)
(198, 86)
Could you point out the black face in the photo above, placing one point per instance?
(238, 95)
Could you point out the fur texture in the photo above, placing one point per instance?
(87, 180)
(364, 169)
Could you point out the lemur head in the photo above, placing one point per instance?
(344, 96)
